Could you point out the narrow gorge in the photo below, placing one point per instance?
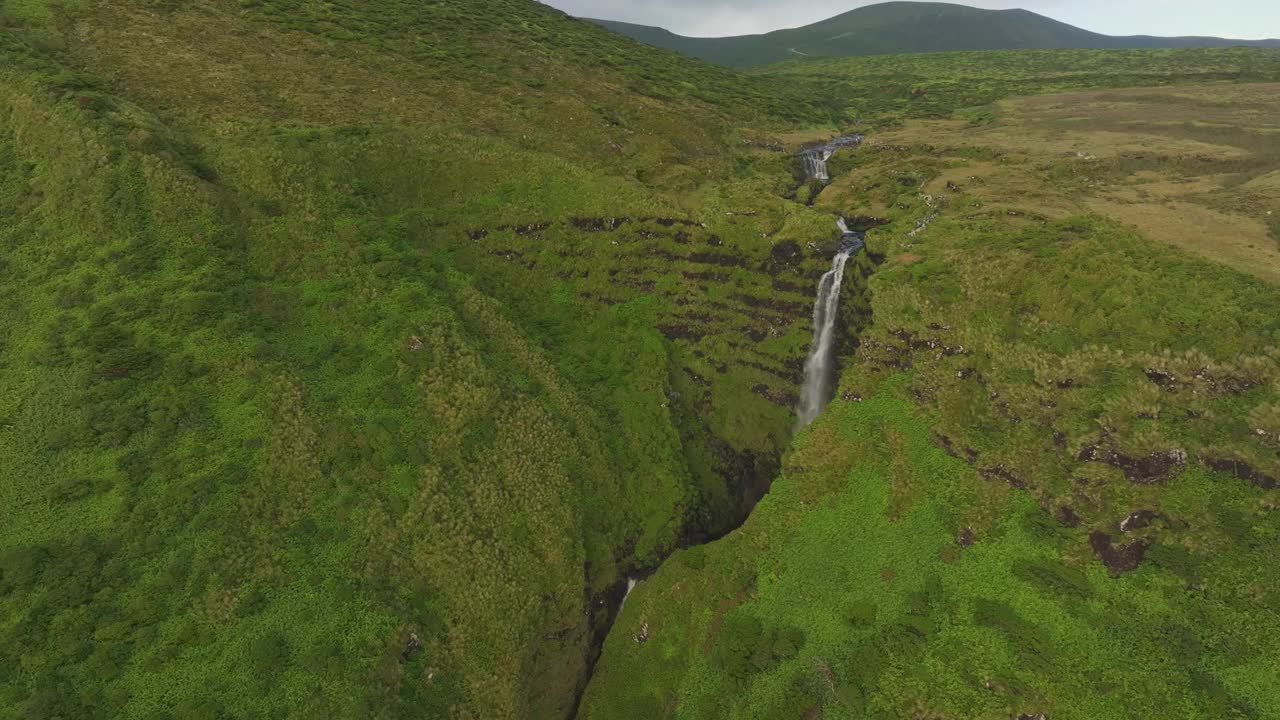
(840, 309)
(465, 359)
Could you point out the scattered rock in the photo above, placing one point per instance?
(965, 538)
(923, 223)
(412, 646)
(1215, 383)
(530, 228)
(1162, 378)
(785, 255)
(1244, 471)
(934, 344)
(1154, 468)
(598, 224)
(1119, 560)
(863, 223)
(1067, 516)
(1000, 472)
(1138, 520)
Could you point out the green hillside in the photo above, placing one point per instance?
(883, 90)
(332, 327)
(904, 27)
(355, 353)
(1047, 485)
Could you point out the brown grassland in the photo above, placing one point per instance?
(1191, 167)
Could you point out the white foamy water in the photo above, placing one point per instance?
(815, 158)
(819, 367)
(631, 585)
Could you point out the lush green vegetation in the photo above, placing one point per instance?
(904, 27)
(353, 351)
(279, 397)
(1047, 485)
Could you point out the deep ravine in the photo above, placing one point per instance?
(816, 391)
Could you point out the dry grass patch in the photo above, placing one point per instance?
(1193, 167)
(1233, 240)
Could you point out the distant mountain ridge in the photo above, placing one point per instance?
(902, 27)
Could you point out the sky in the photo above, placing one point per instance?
(1238, 19)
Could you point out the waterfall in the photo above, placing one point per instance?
(815, 158)
(631, 585)
(815, 164)
(819, 367)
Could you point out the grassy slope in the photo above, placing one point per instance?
(273, 404)
(288, 342)
(1035, 402)
(903, 27)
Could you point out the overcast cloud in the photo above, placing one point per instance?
(1243, 19)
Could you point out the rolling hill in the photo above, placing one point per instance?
(905, 27)
(304, 406)
(353, 355)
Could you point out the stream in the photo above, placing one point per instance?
(816, 391)
(820, 366)
(815, 158)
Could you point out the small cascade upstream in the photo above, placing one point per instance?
(819, 367)
(815, 163)
(815, 158)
